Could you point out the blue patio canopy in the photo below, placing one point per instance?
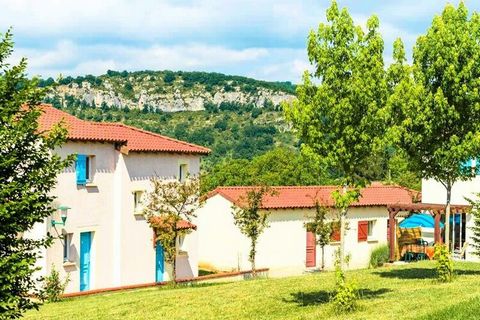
(419, 220)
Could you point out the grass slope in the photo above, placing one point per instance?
(406, 292)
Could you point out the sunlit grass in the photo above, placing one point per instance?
(406, 292)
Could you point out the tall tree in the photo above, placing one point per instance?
(438, 103)
(337, 119)
(166, 206)
(251, 219)
(28, 171)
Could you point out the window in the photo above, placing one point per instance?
(335, 237)
(137, 200)
(181, 243)
(365, 230)
(371, 225)
(84, 167)
(362, 231)
(67, 242)
(183, 172)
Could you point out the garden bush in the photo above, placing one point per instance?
(444, 263)
(53, 287)
(379, 256)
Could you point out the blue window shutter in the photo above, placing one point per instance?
(467, 165)
(81, 169)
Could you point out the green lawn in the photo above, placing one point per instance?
(406, 292)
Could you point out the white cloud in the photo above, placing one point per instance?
(73, 59)
(259, 38)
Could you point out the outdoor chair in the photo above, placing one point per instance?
(459, 254)
(409, 256)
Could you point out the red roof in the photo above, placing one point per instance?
(181, 224)
(304, 196)
(135, 139)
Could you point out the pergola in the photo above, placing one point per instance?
(436, 210)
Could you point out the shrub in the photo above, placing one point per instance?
(345, 298)
(53, 287)
(379, 256)
(444, 263)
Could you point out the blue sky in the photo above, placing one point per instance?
(264, 39)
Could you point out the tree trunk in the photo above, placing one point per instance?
(342, 239)
(447, 216)
(323, 257)
(342, 234)
(252, 257)
(174, 264)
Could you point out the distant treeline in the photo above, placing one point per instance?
(210, 80)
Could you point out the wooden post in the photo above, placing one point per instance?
(437, 232)
(393, 230)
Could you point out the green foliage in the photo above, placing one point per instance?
(53, 287)
(277, 167)
(208, 80)
(169, 77)
(444, 263)
(165, 206)
(28, 171)
(439, 129)
(379, 256)
(437, 100)
(337, 120)
(321, 227)
(475, 211)
(251, 219)
(345, 298)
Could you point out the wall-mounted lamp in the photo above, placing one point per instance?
(63, 214)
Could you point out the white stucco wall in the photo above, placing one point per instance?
(122, 250)
(282, 246)
(136, 236)
(434, 192)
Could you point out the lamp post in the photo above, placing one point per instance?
(63, 215)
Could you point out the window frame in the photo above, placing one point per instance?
(182, 171)
(67, 243)
(137, 196)
(90, 168)
(370, 227)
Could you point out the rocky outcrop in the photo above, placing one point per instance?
(171, 99)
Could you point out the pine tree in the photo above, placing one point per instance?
(476, 224)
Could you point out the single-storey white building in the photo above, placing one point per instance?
(105, 240)
(461, 223)
(286, 247)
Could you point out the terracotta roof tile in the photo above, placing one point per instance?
(135, 139)
(305, 196)
(181, 224)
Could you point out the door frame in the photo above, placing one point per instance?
(89, 271)
(159, 276)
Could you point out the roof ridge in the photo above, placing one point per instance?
(150, 133)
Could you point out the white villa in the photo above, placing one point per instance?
(286, 247)
(105, 241)
(461, 223)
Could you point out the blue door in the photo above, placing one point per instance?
(159, 262)
(85, 248)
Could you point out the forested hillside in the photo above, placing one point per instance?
(251, 143)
